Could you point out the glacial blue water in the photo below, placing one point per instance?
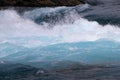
(96, 52)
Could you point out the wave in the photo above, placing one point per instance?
(97, 52)
(24, 31)
(103, 11)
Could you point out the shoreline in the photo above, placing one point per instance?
(39, 3)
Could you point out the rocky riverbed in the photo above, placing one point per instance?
(81, 72)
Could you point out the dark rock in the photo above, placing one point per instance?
(40, 3)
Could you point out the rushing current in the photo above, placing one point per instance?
(57, 34)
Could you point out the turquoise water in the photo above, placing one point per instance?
(97, 52)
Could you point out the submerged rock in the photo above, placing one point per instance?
(75, 72)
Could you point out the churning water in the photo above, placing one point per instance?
(54, 34)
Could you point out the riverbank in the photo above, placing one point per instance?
(39, 3)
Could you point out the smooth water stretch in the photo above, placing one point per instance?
(57, 34)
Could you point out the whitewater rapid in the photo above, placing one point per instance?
(55, 34)
(23, 31)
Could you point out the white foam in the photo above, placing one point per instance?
(23, 31)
